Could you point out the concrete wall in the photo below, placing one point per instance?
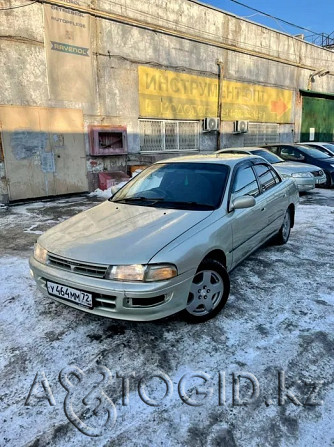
(178, 35)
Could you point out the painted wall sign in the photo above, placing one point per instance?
(68, 53)
(173, 95)
(257, 103)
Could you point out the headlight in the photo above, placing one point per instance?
(40, 254)
(139, 272)
(160, 272)
(332, 166)
(302, 174)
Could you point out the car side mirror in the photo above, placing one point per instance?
(243, 202)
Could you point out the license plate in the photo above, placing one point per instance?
(67, 293)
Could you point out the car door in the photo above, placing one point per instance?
(246, 223)
(273, 198)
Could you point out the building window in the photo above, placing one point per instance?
(168, 136)
(261, 133)
(106, 140)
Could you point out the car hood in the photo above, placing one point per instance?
(289, 167)
(113, 233)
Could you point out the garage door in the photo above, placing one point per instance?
(317, 119)
(44, 151)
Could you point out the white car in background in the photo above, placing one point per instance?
(301, 173)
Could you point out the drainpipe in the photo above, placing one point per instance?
(220, 99)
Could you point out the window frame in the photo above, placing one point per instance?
(240, 165)
(246, 164)
(273, 173)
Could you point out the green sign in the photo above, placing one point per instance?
(72, 49)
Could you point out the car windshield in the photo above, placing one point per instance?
(329, 146)
(315, 153)
(322, 148)
(271, 158)
(179, 185)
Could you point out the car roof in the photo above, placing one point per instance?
(312, 143)
(297, 145)
(219, 158)
(243, 149)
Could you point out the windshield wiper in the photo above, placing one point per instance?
(190, 203)
(140, 199)
(154, 200)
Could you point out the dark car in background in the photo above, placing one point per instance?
(327, 148)
(304, 154)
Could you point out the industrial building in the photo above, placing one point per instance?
(95, 87)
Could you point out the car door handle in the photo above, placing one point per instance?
(263, 209)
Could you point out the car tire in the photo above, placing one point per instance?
(329, 182)
(284, 232)
(208, 293)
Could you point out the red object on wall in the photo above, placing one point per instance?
(108, 179)
(107, 140)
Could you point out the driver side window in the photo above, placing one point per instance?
(289, 153)
(244, 183)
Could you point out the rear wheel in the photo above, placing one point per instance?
(284, 232)
(208, 293)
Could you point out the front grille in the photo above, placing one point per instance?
(82, 268)
(318, 173)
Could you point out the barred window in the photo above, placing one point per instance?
(261, 133)
(168, 136)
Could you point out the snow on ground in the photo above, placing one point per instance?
(279, 317)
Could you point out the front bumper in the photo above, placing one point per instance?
(320, 180)
(305, 183)
(114, 299)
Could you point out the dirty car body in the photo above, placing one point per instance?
(138, 255)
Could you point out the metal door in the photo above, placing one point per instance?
(43, 151)
(317, 119)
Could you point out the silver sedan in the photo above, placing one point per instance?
(306, 176)
(166, 241)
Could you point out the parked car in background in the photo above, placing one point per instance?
(304, 154)
(327, 148)
(166, 241)
(301, 173)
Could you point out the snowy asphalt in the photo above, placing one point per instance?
(279, 319)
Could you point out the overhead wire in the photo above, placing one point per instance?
(274, 17)
(19, 6)
(228, 40)
(210, 34)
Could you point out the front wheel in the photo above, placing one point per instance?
(284, 232)
(329, 182)
(208, 292)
